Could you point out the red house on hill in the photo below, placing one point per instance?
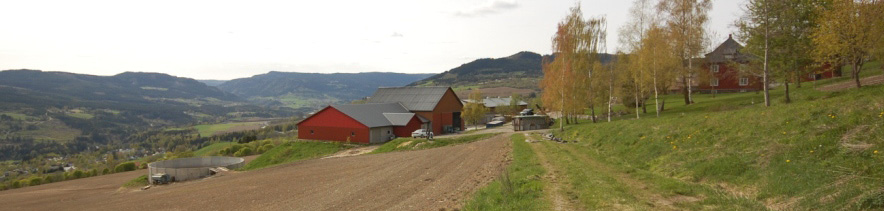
(437, 104)
(729, 71)
(361, 123)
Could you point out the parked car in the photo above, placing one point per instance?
(419, 133)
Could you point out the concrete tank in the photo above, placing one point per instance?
(184, 169)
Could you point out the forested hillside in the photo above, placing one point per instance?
(298, 90)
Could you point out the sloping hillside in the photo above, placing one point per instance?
(312, 89)
(522, 71)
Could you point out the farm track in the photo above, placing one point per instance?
(433, 179)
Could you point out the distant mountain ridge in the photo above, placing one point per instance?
(310, 89)
(520, 70)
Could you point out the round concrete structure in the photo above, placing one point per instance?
(184, 169)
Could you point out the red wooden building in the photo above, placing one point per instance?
(361, 123)
(728, 70)
(822, 72)
(439, 105)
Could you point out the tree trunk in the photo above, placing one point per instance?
(662, 104)
(857, 66)
(766, 50)
(684, 90)
(593, 113)
(636, 103)
(644, 107)
(788, 99)
(656, 95)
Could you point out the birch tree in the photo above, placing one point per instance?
(686, 20)
(847, 33)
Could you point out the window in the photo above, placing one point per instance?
(714, 68)
(388, 132)
(352, 133)
(714, 82)
(311, 132)
(744, 81)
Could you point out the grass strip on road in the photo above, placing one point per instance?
(293, 151)
(402, 144)
(519, 188)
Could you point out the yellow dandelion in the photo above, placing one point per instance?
(784, 132)
(876, 152)
(787, 161)
(811, 151)
(674, 147)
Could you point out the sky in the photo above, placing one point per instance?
(217, 39)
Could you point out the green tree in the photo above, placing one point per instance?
(685, 20)
(125, 166)
(474, 112)
(848, 33)
(515, 107)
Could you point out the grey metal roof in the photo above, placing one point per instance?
(372, 114)
(729, 50)
(398, 119)
(495, 102)
(413, 98)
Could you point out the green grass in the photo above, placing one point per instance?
(422, 143)
(519, 188)
(81, 115)
(139, 181)
(293, 151)
(17, 116)
(212, 149)
(209, 130)
(731, 152)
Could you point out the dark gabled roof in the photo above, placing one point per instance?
(729, 47)
(401, 119)
(375, 114)
(413, 98)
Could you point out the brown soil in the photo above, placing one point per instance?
(433, 179)
(871, 80)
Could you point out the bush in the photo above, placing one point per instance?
(105, 171)
(143, 165)
(127, 166)
(265, 148)
(3, 187)
(79, 174)
(245, 151)
(16, 184)
(35, 181)
(94, 172)
(48, 179)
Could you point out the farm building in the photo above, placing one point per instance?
(729, 70)
(492, 103)
(439, 105)
(362, 123)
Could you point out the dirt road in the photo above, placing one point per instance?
(431, 179)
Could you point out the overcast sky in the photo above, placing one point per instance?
(234, 39)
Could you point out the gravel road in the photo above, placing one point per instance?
(433, 179)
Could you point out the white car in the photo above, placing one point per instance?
(419, 133)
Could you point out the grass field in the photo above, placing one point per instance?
(401, 144)
(519, 188)
(213, 129)
(139, 181)
(293, 151)
(731, 152)
(212, 149)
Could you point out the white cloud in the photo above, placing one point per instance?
(397, 34)
(489, 8)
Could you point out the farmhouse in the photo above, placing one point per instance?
(439, 105)
(362, 123)
(729, 71)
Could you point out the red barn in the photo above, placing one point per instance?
(729, 70)
(361, 123)
(438, 104)
(823, 71)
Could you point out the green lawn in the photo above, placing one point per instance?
(210, 130)
(16, 116)
(519, 188)
(731, 152)
(212, 149)
(81, 115)
(294, 151)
